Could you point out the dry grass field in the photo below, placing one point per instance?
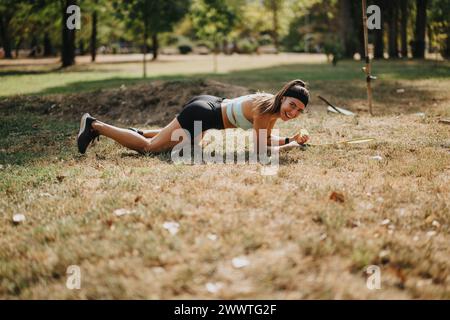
(183, 226)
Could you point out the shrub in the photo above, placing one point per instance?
(185, 48)
(333, 48)
(246, 46)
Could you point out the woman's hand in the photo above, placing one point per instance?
(302, 137)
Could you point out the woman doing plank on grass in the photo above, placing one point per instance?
(255, 111)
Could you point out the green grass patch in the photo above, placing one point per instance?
(108, 76)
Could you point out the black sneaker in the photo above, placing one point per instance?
(87, 134)
(137, 131)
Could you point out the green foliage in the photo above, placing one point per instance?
(151, 16)
(28, 23)
(185, 48)
(162, 15)
(333, 48)
(440, 25)
(247, 46)
(212, 20)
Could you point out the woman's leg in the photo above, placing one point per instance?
(151, 133)
(160, 142)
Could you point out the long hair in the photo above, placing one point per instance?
(267, 103)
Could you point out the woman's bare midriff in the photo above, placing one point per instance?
(226, 123)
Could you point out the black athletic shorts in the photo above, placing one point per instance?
(201, 108)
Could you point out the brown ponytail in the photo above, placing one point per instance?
(265, 103)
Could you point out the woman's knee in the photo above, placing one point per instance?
(144, 146)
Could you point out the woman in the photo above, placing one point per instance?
(257, 111)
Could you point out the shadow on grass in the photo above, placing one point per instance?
(273, 78)
(344, 84)
(27, 137)
(236, 157)
(27, 72)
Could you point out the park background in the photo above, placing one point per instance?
(142, 227)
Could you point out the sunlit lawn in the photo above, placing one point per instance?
(258, 72)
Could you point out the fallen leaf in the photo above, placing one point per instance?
(378, 158)
(172, 227)
(121, 212)
(430, 218)
(18, 218)
(240, 262)
(214, 287)
(158, 270)
(212, 236)
(435, 224)
(431, 233)
(44, 194)
(336, 196)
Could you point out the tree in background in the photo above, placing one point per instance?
(314, 25)
(274, 6)
(392, 13)
(440, 25)
(68, 36)
(420, 29)
(152, 17)
(8, 8)
(379, 33)
(404, 12)
(213, 20)
(346, 28)
(93, 41)
(294, 25)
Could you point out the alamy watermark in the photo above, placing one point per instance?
(233, 147)
(373, 281)
(73, 281)
(74, 20)
(373, 17)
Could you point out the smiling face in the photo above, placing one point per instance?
(290, 108)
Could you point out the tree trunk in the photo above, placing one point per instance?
(18, 44)
(34, 48)
(446, 50)
(404, 27)
(48, 49)
(420, 30)
(93, 44)
(431, 48)
(275, 23)
(379, 35)
(68, 37)
(4, 34)
(155, 46)
(379, 44)
(356, 9)
(145, 51)
(393, 30)
(347, 31)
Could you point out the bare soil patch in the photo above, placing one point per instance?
(154, 103)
